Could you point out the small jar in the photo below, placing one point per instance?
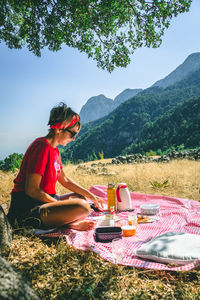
(128, 230)
(132, 219)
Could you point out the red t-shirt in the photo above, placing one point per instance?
(43, 159)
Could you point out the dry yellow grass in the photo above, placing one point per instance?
(183, 177)
(58, 271)
(6, 185)
(61, 272)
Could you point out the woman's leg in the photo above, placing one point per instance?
(71, 212)
(69, 195)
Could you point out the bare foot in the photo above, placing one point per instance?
(82, 225)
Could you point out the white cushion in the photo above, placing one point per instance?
(172, 247)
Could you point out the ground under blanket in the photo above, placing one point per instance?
(176, 214)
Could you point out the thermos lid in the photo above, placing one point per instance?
(111, 185)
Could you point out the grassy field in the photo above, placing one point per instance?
(58, 271)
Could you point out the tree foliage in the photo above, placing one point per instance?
(107, 31)
(12, 162)
(178, 129)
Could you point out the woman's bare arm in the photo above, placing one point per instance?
(32, 188)
(75, 187)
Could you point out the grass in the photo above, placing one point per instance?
(58, 271)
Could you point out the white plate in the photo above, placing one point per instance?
(98, 218)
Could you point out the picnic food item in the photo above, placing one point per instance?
(123, 197)
(111, 196)
(132, 219)
(149, 209)
(128, 230)
(142, 219)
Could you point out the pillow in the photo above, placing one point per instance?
(172, 247)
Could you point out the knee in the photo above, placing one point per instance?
(85, 206)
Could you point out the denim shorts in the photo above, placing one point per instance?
(24, 211)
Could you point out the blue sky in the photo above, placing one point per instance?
(30, 86)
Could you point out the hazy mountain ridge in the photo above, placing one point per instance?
(99, 106)
(125, 95)
(95, 108)
(125, 124)
(190, 65)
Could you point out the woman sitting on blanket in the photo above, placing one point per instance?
(34, 197)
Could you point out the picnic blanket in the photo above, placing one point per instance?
(176, 215)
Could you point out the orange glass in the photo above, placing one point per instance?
(128, 230)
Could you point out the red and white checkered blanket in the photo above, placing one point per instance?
(176, 214)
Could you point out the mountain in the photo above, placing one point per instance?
(125, 95)
(95, 108)
(100, 106)
(180, 125)
(190, 65)
(125, 124)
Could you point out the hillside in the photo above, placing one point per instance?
(180, 125)
(122, 126)
(95, 108)
(190, 65)
(99, 106)
(125, 95)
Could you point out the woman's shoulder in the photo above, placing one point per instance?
(41, 141)
(38, 143)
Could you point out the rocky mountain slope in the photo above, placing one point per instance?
(125, 95)
(95, 108)
(99, 106)
(191, 64)
(125, 124)
(179, 126)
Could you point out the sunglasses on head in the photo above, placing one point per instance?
(73, 133)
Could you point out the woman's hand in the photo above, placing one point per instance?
(98, 202)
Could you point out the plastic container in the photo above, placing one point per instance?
(123, 197)
(111, 196)
(128, 230)
(106, 222)
(107, 234)
(150, 209)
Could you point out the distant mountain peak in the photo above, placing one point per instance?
(99, 106)
(190, 65)
(193, 56)
(95, 108)
(100, 97)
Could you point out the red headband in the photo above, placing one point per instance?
(59, 125)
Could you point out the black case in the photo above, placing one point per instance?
(107, 234)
